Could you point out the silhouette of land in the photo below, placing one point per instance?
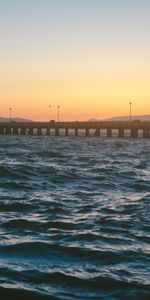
(115, 118)
(2, 119)
(124, 118)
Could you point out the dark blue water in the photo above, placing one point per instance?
(74, 218)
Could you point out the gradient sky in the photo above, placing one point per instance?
(92, 57)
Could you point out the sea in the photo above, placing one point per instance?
(74, 218)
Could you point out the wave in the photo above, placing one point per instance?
(69, 287)
(51, 154)
(17, 294)
(74, 218)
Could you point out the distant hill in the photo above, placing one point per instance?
(123, 118)
(94, 120)
(14, 119)
(126, 118)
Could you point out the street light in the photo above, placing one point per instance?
(49, 106)
(130, 117)
(58, 107)
(10, 109)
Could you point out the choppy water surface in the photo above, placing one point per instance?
(74, 218)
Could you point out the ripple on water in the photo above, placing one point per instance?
(74, 218)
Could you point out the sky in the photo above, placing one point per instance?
(90, 57)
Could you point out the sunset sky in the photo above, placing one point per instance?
(91, 57)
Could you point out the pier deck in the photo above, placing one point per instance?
(39, 128)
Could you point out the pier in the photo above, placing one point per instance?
(133, 129)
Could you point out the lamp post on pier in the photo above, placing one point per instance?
(58, 116)
(10, 112)
(49, 108)
(130, 117)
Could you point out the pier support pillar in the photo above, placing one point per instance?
(48, 131)
(31, 131)
(146, 133)
(134, 132)
(87, 131)
(66, 132)
(109, 132)
(23, 131)
(8, 130)
(15, 130)
(56, 131)
(97, 132)
(76, 131)
(39, 131)
(1, 130)
(121, 132)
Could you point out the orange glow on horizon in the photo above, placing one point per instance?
(99, 90)
(80, 98)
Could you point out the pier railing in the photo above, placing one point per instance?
(134, 128)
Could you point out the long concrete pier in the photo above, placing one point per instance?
(109, 129)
